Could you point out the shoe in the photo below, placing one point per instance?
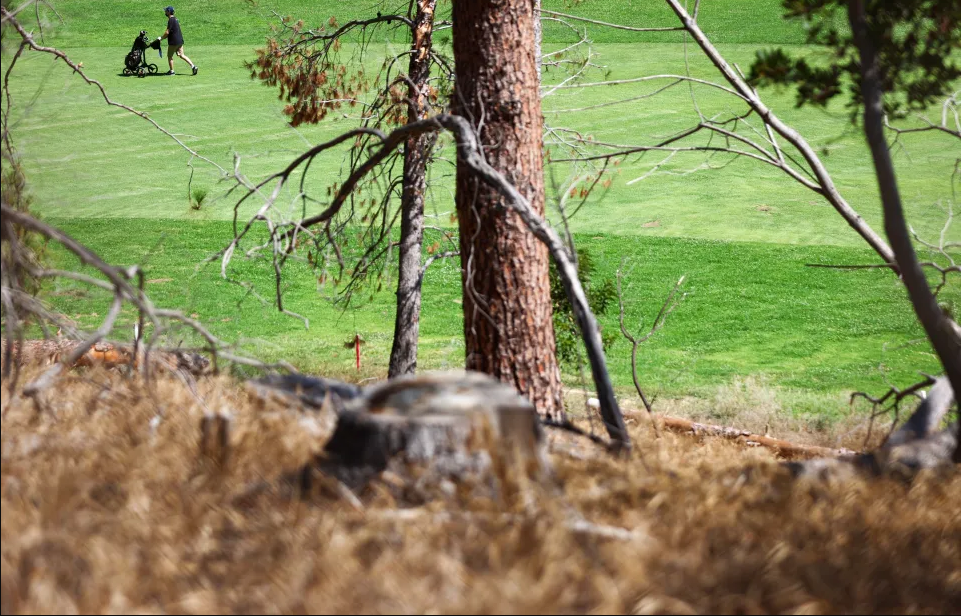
(195, 69)
(170, 73)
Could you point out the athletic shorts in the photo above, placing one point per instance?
(172, 50)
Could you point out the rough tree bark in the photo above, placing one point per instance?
(508, 326)
(538, 38)
(937, 325)
(403, 354)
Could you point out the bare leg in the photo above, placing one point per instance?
(180, 52)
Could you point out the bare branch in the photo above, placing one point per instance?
(610, 25)
(890, 402)
(117, 282)
(929, 414)
(470, 153)
(746, 93)
(47, 379)
(669, 305)
(950, 105)
(434, 257)
(945, 339)
(87, 257)
(633, 99)
(567, 426)
(618, 82)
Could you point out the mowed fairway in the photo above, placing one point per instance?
(742, 235)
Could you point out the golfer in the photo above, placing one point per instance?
(175, 42)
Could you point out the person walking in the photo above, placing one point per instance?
(175, 42)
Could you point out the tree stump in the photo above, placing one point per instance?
(306, 391)
(439, 429)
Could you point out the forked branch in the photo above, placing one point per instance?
(669, 305)
(20, 306)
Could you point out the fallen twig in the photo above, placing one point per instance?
(783, 449)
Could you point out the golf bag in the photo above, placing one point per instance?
(136, 61)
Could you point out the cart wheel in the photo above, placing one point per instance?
(153, 69)
(126, 71)
(142, 73)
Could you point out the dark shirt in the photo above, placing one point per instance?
(175, 37)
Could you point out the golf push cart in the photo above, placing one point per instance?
(136, 61)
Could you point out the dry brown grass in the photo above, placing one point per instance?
(104, 514)
(757, 406)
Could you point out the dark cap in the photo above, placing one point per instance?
(169, 10)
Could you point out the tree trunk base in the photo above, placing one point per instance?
(310, 392)
(915, 447)
(447, 431)
(901, 461)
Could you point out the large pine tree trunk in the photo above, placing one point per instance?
(403, 354)
(508, 328)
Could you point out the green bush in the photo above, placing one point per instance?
(199, 195)
(601, 295)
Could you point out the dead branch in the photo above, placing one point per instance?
(915, 446)
(46, 379)
(937, 325)
(821, 181)
(675, 78)
(118, 279)
(622, 101)
(948, 108)
(470, 153)
(434, 257)
(943, 271)
(928, 416)
(941, 248)
(890, 402)
(610, 25)
(301, 65)
(786, 132)
(567, 426)
(783, 449)
(669, 305)
(20, 306)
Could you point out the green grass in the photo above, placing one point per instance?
(741, 234)
(745, 200)
(752, 308)
(234, 22)
(87, 159)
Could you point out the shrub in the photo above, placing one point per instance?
(601, 295)
(199, 195)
